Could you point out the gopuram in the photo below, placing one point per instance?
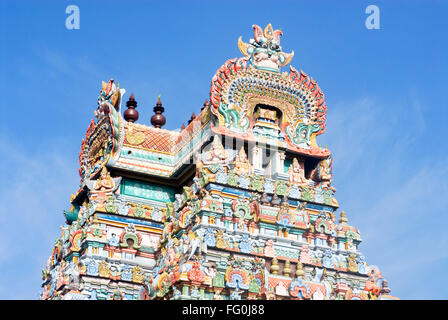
(238, 204)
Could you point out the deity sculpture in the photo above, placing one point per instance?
(373, 283)
(105, 182)
(275, 201)
(74, 279)
(217, 153)
(323, 174)
(269, 248)
(305, 256)
(101, 191)
(103, 270)
(220, 241)
(199, 164)
(302, 218)
(296, 173)
(351, 263)
(241, 224)
(241, 163)
(264, 199)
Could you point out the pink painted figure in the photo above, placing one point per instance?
(304, 254)
(269, 249)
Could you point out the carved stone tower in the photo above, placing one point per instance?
(239, 204)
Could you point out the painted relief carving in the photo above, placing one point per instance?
(322, 173)
(164, 231)
(264, 50)
(296, 173)
(105, 183)
(109, 98)
(217, 153)
(241, 163)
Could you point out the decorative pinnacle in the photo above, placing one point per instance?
(193, 116)
(131, 114)
(264, 51)
(158, 120)
(299, 271)
(205, 105)
(287, 269)
(274, 266)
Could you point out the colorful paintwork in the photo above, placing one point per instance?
(147, 191)
(239, 204)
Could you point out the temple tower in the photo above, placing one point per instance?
(238, 204)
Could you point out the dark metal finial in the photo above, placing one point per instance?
(158, 120)
(131, 114)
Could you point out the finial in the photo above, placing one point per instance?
(205, 105)
(183, 127)
(131, 115)
(274, 266)
(287, 269)
(265, 41)
(299, 272)
(158, 120)
(343, 219)
(193, 116)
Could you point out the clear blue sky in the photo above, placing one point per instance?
(386, 123)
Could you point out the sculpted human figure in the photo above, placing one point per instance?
(351, 263)
(104, 182)
(217, 153)
(323, 174)
(241, 224)
(73, 274)
(302, 217)
(372, 284)
(296, 173)
(241, 163)
(269, 250)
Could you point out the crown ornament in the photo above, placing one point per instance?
(264, 51)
